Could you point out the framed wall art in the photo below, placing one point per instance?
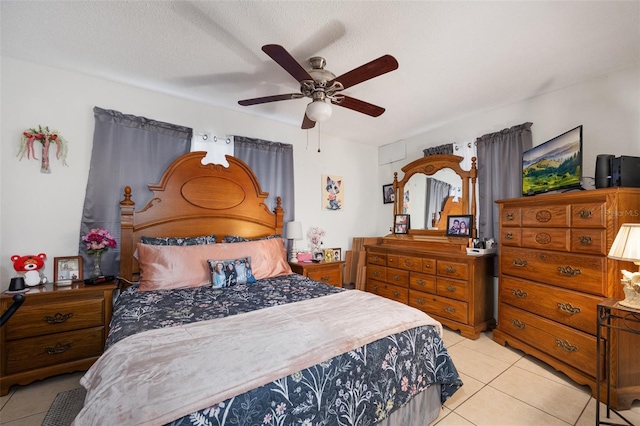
(388, 195)
(67, 268)
(459, 225)
(401, 224)
(332, 192)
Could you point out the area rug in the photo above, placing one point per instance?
(65, 408)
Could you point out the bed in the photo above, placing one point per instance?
(262, 347)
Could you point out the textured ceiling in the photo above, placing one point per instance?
(456, 58)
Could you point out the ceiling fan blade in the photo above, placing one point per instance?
(358, 105)
(308, 123)
(365, 72)
(274, 98)
(286, 61)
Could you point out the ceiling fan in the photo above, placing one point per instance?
(323, 87)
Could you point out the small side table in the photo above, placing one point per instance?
(608, 310)
(326, 272)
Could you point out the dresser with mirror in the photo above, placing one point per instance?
(426, 268)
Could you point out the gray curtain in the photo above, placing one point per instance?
(127, 151)
(272, 163)
(442, 149)
(499, 173)
(437, 194)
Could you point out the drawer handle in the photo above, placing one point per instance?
(520, 263)
(325, 278)
(508, 236)
(585, 240)
(376, 258)
(396, 294)
(420, 301)
(391, 260)
(450, 309)
(510, 216)
(427, 266)
(421, 282)
(569, 271)
(57, 349)
(564, 344)
(397, 278)
(376, 273)
(585, 214)
(519, 293)
(58, 318)
(451, 269)
(376, 288)
(518, 324)
(568, 308)
(450, 289)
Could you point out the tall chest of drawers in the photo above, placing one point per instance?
(554, 270)
(56, 330)
(454, 288)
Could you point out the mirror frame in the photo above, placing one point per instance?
(429, 166)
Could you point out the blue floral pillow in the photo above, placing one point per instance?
(178, 241)
(227, 273)
(236, 239)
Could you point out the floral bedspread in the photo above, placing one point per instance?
(359, 387)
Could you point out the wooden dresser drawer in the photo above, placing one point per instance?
(553, 215)
(439, 306)
(376, 272)
(398, 277)
(41, 351)
(588, 215)
(410, 263)
(510, 216)
(456, 270)
(422, 282)
(510, 237)
(563, 343)
(392, 260)
(454, 289)
(376, 259)
(546, 238)
(429, 265)
(593, 241)
(568, 307)
(332, 276)
(389, 291)
(39, 319)
(572, 271)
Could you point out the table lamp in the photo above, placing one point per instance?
(626, 246)
(293, 232)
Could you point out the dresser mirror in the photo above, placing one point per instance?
(432, 188)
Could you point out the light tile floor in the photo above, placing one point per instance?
(502, 387)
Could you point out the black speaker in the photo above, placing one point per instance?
(603, 170)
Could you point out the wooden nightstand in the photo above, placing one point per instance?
(325, 272)
(56, 330)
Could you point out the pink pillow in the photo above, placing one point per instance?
(169, 267)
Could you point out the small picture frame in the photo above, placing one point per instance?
(459, 225)
(337, 254)
(388, 194)
(401, 224)
(318, 256)
(67, 268)
(328, 255)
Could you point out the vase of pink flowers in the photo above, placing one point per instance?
(315, 236)
(98, 241)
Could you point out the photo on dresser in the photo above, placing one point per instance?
(401, 224)
(67, 268)
(459, 225)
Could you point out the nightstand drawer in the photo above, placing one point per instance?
(331, 276)
(45, 318)
(43, 351)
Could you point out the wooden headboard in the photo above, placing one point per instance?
(195, 199)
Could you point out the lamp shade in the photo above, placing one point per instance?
(293, 231)
(626, 245)
(318, 110)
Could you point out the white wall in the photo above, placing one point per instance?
(607, 107)
(42, 213)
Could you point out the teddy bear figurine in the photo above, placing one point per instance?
(31, 266)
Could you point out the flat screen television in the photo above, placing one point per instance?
(553, 165)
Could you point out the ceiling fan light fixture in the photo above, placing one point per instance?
(319, 110)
